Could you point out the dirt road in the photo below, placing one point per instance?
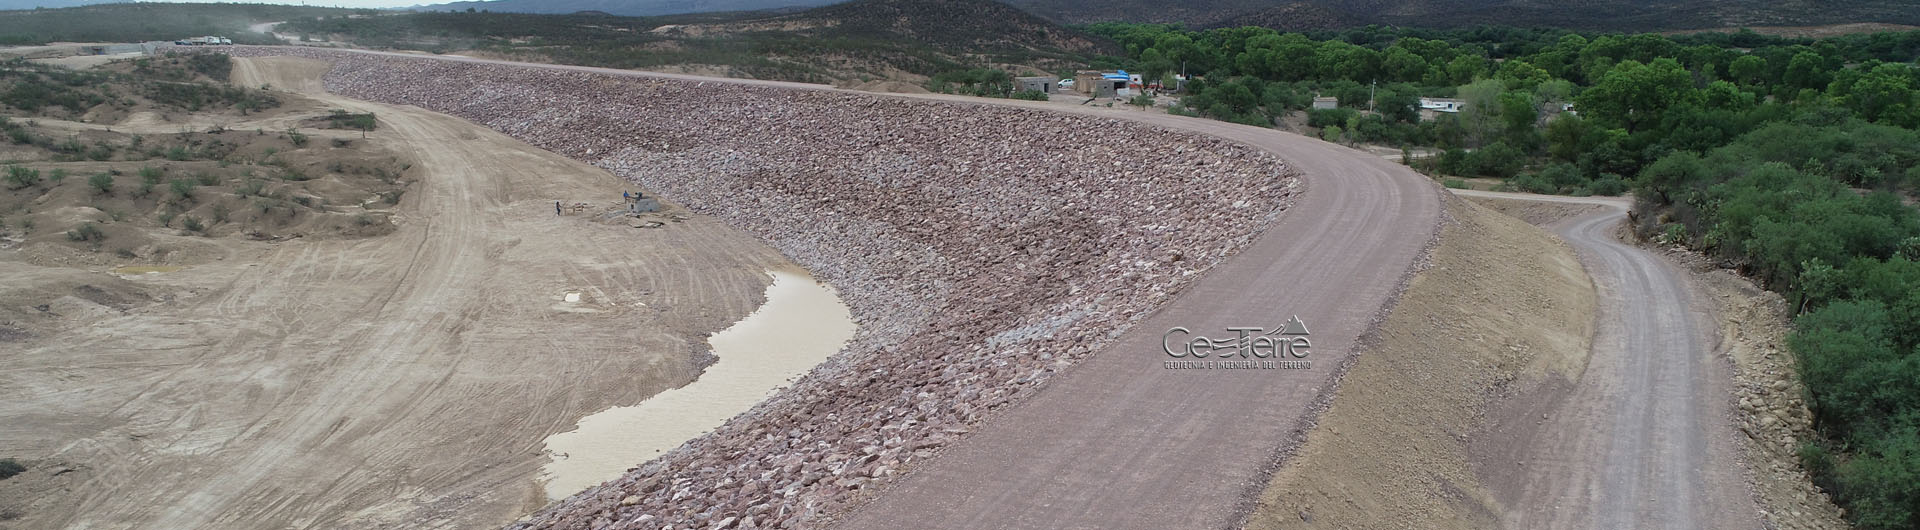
(401, 381)
(1645, 438)
(1121, 442)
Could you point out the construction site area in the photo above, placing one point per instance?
(539, 296)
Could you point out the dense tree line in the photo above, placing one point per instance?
(1802, 204)
(1793, 159)
(1637, 97)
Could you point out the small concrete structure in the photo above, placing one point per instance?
(1036, 83)
(639, 203)
(1113, 85)
(1084, 81)
(1326, 103)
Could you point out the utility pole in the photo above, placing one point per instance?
(1370, 89)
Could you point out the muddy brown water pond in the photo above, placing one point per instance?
(801, 324)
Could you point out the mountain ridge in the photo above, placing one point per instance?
(1305, 15)
(625, 8)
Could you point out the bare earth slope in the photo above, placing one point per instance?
(1645, 438)
(1504, 307)
(400, 381)
(1335, 260)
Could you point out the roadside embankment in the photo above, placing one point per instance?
(1503, 307)
(1770, 407)
(981, 249)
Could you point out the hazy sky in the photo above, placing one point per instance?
(339, 3)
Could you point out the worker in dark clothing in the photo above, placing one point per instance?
(556, 207)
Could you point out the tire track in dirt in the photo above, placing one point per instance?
(400, 381)
(1645, 438)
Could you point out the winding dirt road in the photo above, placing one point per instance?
(1645, 438)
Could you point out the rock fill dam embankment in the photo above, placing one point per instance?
(981, 249)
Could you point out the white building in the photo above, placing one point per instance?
(1442, 104)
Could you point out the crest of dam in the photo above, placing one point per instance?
(980, 249)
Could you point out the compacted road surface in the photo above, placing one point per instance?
(1643, 439)
(1121, 441)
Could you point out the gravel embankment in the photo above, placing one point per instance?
(981, 249)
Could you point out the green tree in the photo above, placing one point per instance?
(1517, 111)
(1885, 94)
(1673, 173)
(1398, 64)
(1465, 69)
(102, 183)
(1554, 92)
(1882, 484)
(1748, 70)
(19, 177)
(1633, 95)
(1480, 112)
(1520, 75)
(1806, 70)
(1398, 102)
(1847, 354)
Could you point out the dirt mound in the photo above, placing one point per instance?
(1504, 306)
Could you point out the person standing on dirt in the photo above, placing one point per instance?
(556, 207)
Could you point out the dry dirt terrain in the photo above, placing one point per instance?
(1504, 307)
(1336, 261)
(401, 381)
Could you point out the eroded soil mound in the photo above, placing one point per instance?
(1504, 307)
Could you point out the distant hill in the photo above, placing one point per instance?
(857, 42)
(1304, 15)
(144, 21)
(629, 8)
(959, 25)
(1616, 15)
(1297, 16)
(10, 5)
